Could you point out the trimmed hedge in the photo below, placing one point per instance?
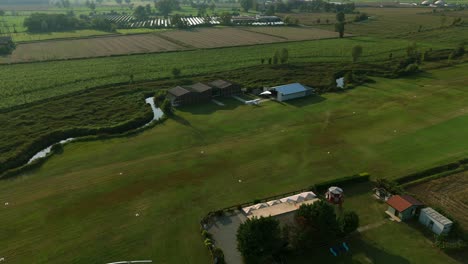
(321, 187)
(430, 172)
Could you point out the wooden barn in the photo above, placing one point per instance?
(190, 94)
(224, 88)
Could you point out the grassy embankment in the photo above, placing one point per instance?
(87, 197)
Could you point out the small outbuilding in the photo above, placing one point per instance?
(403, 207)
(291, 91)
(435, 221)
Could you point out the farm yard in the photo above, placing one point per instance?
(116, 199)
(449, 193)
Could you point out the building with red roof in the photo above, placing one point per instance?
(403, 207)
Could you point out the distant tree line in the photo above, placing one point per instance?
(40, 22)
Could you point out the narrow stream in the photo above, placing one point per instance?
(158, 114)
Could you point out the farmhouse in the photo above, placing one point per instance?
(433, 220)
(291, 91)
(402, 207)
(224, 88)
(196, 93)
(282, 209)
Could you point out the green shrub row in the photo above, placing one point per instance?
(432, 171)
(321, 187)
(54, 137)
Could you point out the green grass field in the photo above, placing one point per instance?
(81, 205)
(48, 79)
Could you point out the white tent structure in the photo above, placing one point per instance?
(280, 206)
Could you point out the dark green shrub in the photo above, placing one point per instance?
(428, 172)
(321, 187)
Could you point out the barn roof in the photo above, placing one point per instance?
(436, 216)
(178, 91)
(200, 87)
(402, 202)
(220, 84)
(291, 88)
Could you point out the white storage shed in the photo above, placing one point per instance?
(432, 219)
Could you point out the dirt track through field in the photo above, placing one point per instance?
(198, 38)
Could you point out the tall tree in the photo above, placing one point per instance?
(140, 13)
(165, 7)
(340, 24)
(316, 224)
(258, 239)
(349, 222)
(246, 4)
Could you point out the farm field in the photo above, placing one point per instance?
(386, 22)
(295, 33)
(163, 41)
(91, 47)
(89, 199)
(70, 76)
(449, 193)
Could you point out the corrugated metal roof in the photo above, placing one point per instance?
(221, 84)
(200, 87)
(291, 88)
(178, 91)
(436, 216)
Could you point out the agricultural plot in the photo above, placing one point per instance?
(219, 37)
(160, 42)
(449, 193)
(92, 47)
(385, 22)
(296, 33)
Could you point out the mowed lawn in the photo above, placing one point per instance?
(81, 206)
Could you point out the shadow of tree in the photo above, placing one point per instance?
(360, 251)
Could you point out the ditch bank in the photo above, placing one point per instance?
(15, 166)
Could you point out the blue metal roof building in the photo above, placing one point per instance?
(292, 91)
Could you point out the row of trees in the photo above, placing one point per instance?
(263, 240)
(41, 22)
